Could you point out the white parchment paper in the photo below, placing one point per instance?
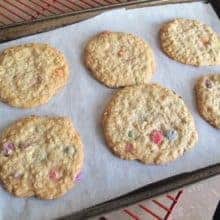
(84, 99)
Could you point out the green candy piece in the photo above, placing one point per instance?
(69, 150)
(130, 134)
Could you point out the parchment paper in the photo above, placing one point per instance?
(84, 99)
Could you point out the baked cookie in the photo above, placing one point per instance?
(40, 156)
(190, 42)
(149, 123)
(208, 98)
(31, 74)
(119, 59)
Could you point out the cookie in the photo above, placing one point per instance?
(148, 123)
(207, 91)
(190, 42)
(40, 156)
(31, 74)
(119, 59)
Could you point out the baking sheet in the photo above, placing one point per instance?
(83, 99)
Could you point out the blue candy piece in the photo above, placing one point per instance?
(172, 135)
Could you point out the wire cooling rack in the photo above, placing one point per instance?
(164, 208)
(158, 208)
(14, 12)
(17, 12)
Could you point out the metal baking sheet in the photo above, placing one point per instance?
(71, 41)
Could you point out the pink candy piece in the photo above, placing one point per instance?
(157, 137)
(208, 84)
(17, 175)
(54, 174)
(8, 148)
(78, 177)
(105, 32)
(129, 147)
